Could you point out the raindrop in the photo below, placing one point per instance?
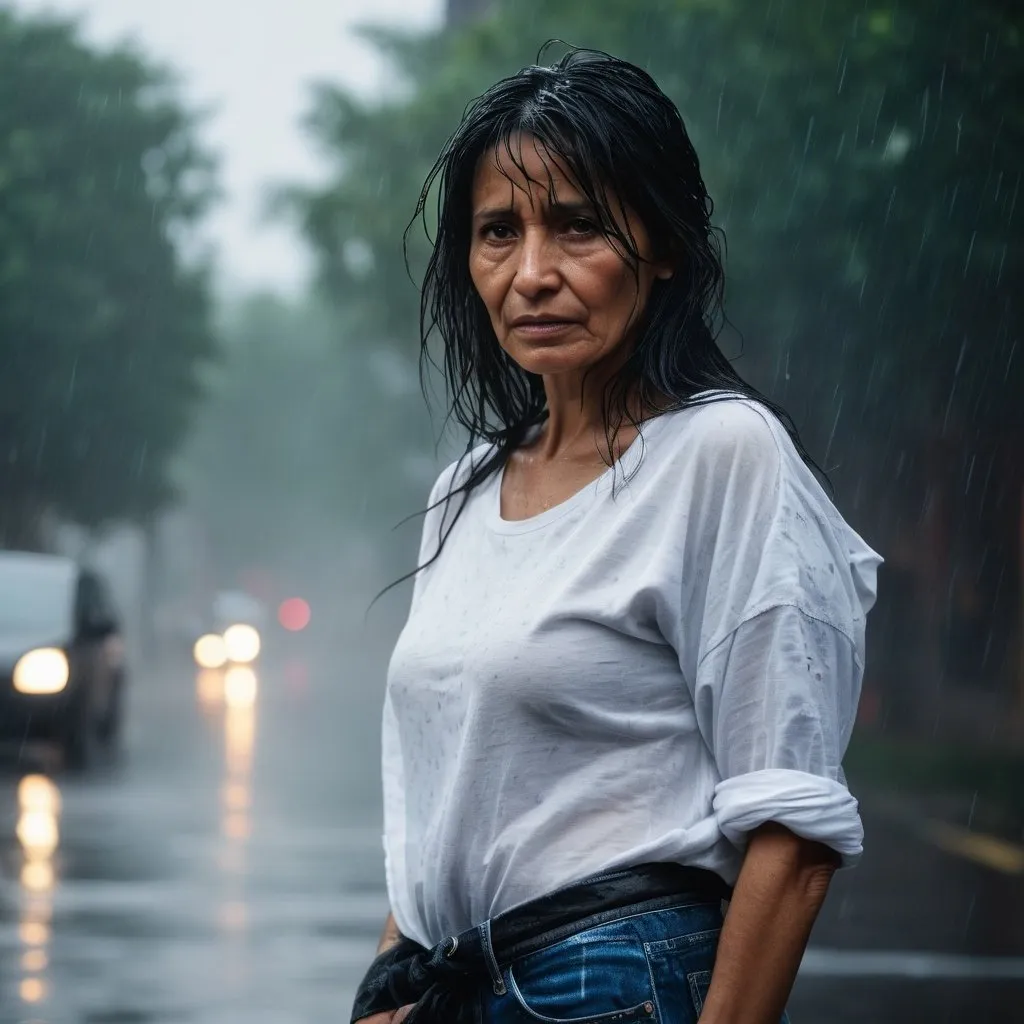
(970, 914)
(878, 114)
(807, 137)
(1013, 201)
(71, 381)
(832, 434)
(970, 253)
(888, 207)
(1002, 260)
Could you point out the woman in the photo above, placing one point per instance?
(636, 637)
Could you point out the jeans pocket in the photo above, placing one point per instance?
(681, 970)
(584, 982)
(699, 983)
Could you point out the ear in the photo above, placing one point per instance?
(663, 271)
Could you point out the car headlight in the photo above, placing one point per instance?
(242, 643)
(209, 651)
(44, 670)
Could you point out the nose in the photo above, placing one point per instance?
(537, 269)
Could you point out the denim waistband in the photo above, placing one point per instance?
(444, 982)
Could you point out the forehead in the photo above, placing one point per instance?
(522, 171)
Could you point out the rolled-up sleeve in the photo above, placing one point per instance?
(776, 700)
(775, 590)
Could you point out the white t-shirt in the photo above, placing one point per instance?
(641, 673)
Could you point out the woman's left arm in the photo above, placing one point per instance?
(779, 892)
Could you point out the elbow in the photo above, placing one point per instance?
(817, 812)
(806, 865)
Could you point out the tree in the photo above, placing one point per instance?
(857, 158)
(103, 325)
(865, 166)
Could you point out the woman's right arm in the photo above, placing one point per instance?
(391, 936)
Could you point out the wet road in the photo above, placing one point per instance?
(929, 928)
(229, 870)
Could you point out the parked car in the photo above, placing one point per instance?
(62, 671)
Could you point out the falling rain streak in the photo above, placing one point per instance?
(209, 384)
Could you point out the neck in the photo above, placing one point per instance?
(575, 427)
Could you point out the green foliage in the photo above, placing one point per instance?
(864, 164)
(993, 775)
(102, 326)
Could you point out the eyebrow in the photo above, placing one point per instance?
(573, 209)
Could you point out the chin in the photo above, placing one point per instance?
(561, 357)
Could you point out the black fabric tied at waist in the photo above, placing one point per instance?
(445, 982)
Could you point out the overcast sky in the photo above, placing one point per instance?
(251, 60)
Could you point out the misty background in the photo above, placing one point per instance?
(224, 205)
(208, 336)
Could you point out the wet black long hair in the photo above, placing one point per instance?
(623, 143)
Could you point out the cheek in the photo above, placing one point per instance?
(611, 289)
(488, 287)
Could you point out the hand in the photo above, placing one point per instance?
(389, 1016)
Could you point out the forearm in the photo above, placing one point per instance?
(391, 936)
(779, 892)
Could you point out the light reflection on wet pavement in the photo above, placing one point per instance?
(228, 869)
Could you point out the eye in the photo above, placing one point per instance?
(498, 231)
(581, 227)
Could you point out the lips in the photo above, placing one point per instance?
(539, 329)
(541, 321)
(542, 327)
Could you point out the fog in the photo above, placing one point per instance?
(210, 391)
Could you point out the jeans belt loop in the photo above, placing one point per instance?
(492, 963)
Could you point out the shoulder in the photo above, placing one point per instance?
(441, 512)
(456, 473)
(725, 436)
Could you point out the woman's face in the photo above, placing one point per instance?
(561, 298)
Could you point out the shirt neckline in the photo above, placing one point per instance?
(627, 463)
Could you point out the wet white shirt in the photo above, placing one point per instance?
(644, 675)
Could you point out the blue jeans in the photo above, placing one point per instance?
(648, 967)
